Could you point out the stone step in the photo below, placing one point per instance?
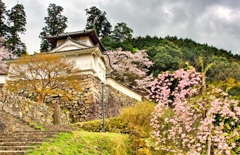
(7, 152)
(17, 136)
(31, 131)
(17, 143)
(16, 148)
(35, 134)
(27, 136)
(26, 139)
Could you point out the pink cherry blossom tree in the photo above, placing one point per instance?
(4, 54)
(189, 121)
(131, 68)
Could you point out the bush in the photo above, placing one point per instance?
(116, 125)
(138, 117)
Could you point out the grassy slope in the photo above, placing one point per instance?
(87, 143)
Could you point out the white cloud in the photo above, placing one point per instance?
(213, 22)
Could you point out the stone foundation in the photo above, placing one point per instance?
(82, 106)
(28, 110)
(87, 104)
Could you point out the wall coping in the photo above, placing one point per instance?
(123, 89)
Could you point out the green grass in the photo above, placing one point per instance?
(37, 126)
(134, 121)
(86, 143)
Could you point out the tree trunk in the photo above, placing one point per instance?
(41, 97)
(209, 146)
(56, 114)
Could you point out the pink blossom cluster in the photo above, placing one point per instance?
(168, 87)
(186, 119)
(4, 54)
(130, 68)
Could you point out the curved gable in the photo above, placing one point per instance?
(69, 45)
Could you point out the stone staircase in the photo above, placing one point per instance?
(17, 137)
(18, 142)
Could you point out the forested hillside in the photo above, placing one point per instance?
(175, 50)
(172, 53)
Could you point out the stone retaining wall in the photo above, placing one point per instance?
(28, 110)
(87, 104)
(84, 105)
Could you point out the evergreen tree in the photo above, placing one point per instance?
(97, 20)
(3, 26)
(122, 32)
(56, 24)
(16, 25)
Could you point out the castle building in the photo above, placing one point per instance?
(85, 48)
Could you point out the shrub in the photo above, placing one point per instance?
(203, 119)
(116, 125)
(138, 116)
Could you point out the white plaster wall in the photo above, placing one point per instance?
(84, 62)
(3, 78)
(123, 89)
(100, 68)
(85, 40)
(59, 42)
(89, 62)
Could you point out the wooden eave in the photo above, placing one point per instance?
(92, 34)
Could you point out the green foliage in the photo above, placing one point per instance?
(229, 85)
(16, 25)
(145, 42)
(110, 44)
(96, 19)
(139, 116)
(190, 49)
(116, 125)
(3, 26)
(165, 57)
(236, 138)
(55, 24)
(223, 69)
(166, 113)
(87, 143)
(121, 32)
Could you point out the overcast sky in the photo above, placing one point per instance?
(215, 22)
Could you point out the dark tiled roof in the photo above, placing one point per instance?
(91, 33)
(71, 34)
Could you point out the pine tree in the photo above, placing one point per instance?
(122, 32)
(16, 25)
(56, 24)
(3, 26)
(97, 20)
